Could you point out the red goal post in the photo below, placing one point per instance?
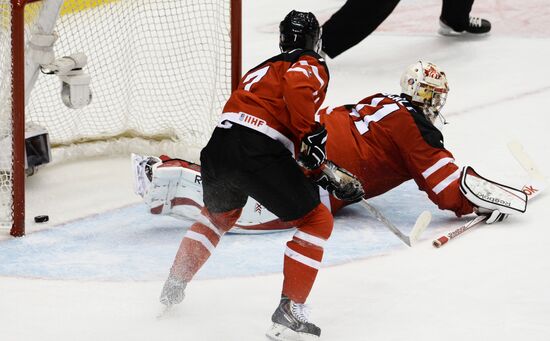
(160, 71)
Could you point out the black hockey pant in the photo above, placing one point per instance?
(240, 162)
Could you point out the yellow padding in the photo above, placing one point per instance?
(71, 6)
(31, 9)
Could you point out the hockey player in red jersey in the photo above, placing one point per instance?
(387, 139)
(267, 120)
(390, 139)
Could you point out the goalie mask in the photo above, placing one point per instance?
(427, 87)
(300, 30)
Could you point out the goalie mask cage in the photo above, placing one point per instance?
(160, 70)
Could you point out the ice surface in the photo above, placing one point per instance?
(99, 278)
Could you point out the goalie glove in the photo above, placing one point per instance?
(340, 183)
(312, 151)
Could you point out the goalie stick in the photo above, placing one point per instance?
(420, 225)
(535, 184)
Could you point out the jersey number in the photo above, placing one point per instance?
(363, 125)
(254, 77)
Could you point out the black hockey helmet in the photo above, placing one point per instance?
(300, 30)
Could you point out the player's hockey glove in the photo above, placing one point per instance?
(340, 183)
(312, 151)
(494, 216)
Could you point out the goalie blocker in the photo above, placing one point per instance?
(492, 199)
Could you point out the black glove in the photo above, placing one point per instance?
(312, 152)
(340, 183)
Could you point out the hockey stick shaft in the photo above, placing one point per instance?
(380, 217)
(420, 225)
(459, 231)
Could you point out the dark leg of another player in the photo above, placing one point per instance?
(354, 22)
(456, 20)
(456, 13)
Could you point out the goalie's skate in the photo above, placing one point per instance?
(290, 323)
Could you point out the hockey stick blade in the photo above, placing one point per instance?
(527, 163)
(421, 223)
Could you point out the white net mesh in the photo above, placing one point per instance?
(161, 72)
(5, 113)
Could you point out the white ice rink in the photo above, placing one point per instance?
(95, 271)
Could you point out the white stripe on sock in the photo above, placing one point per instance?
(310, 238)
(201, 238)
(205, 221)
(312, 263)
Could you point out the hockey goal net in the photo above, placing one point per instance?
(160, 72)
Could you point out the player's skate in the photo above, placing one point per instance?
(173, 291)
(290, 323)
(476, 26)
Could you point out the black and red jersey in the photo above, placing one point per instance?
(384, 140)
(280, 96)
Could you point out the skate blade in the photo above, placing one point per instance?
(279, 332)
(165, 312)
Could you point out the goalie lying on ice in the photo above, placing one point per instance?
(384, 140)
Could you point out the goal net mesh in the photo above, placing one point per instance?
(160, 74)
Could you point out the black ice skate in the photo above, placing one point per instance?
(476, 26)
(290, 323)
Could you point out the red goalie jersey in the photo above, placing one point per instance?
(385, 141)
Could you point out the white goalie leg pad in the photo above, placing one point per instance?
(188, 200)
(256, 219)
(171, 182)
(487, 194)
(163, 189)
(164, 186)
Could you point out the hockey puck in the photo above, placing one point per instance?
(41, 218)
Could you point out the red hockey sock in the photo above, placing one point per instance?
(304, 253)
(200, 241)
